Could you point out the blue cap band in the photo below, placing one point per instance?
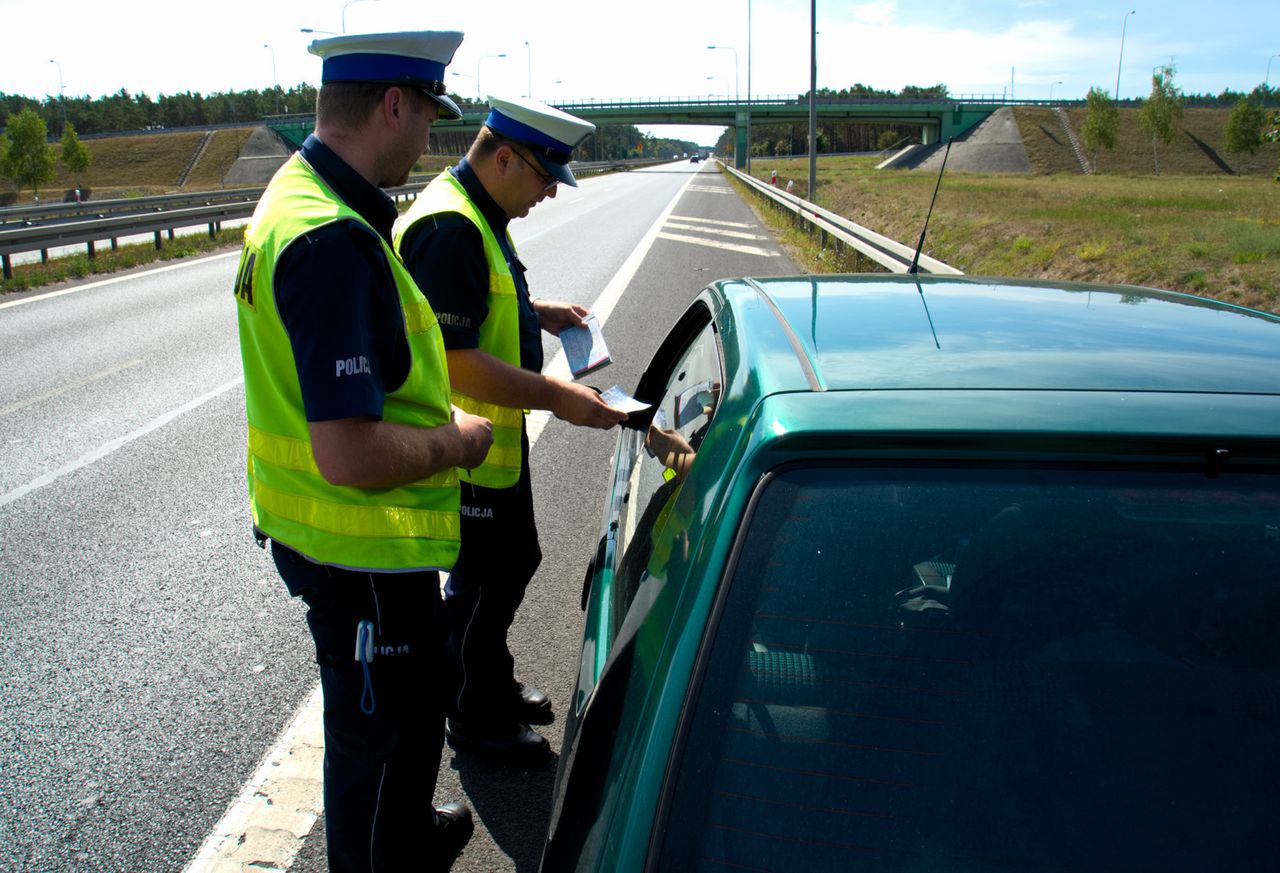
(552, 149)
(372, 67)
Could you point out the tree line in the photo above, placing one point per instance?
(1250, 123)
(1248, 126)
(122, 111)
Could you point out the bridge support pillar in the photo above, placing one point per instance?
(740, 128)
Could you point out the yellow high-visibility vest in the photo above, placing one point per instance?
(499, 335)
(410, 527)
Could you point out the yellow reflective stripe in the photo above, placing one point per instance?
(501, 416)
(290, 453)
(280, 451)
(503, 456)
(365, 522)
(501, 284)
(419, 318)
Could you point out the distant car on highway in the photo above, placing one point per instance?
(936, 574)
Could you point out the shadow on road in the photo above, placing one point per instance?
(513, 805)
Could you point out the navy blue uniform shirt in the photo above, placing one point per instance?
(445, 254)
(338, 301)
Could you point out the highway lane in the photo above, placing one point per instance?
(150, 655)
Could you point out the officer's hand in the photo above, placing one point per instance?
(554, 316)
(476, 435)
(580, 405)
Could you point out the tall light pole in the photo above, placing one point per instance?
(62, 90)
(813, 98)
(1051, 90)
(729, 48)
(1123, 26)
(748, 87)
(1268, 78)
(344, 11)
(479, 93)
(274, 77)
(529, 49)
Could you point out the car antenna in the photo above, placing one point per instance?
(914, 269)
(915, 261)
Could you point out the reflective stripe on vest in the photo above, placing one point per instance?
(410, 527)
(499, 335)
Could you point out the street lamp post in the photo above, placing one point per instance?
(813, 101)
(313, 30)
(62, 90)
(1123, 26)
(344, 11)
(1268, 78)
(729, 48)
(1051, 90)
(748, 87)
(529, 49)
(275, 78)
(479, 94)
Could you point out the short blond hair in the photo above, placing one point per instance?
(348, 105)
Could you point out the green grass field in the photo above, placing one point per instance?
(1194, 228)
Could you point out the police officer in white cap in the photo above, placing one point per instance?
(354, 444)
(454, 240)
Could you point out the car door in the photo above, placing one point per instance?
(682, 384)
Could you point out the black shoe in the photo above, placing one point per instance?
(454, 827)
(533, 706)
(512, 744)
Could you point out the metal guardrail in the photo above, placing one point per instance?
(886, 252)
(11, 215)
(91, 224)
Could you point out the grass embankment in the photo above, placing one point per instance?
(1212, 234)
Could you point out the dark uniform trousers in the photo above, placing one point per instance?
(380, 766)
(499, 556)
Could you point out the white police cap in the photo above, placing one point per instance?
(549, 133)
(414, 59)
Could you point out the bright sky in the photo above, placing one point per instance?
(1031, 48)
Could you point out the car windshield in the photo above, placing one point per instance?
(956, 669)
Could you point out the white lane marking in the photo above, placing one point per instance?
(75, 289)
(247, 830)
(716, 244)
(280, 804)
(735, 234)
(711, 221)
(711, 189)
(119, 442)
(70, 386)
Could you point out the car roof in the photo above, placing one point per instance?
(872, 332)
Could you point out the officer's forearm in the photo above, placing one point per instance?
(367, 453)
(489, 379)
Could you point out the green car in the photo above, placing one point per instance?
(936, 574)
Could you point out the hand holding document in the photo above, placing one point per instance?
(584, 347)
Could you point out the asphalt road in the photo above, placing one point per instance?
(150, 655)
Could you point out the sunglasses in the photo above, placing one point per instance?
(548, 181)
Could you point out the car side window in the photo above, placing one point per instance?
(663, 459)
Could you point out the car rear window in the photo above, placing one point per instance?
(990, 669)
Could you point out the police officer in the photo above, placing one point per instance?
(455, 241)
(353, 444)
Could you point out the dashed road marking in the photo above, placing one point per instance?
(710, 221)
(716, 244)
(735, 234)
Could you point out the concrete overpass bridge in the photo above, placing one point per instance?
(936, 119)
